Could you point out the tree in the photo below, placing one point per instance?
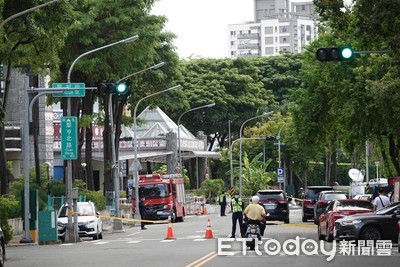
(33, 40)
(357, 99)
(101, 23)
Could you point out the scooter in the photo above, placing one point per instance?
(253, 232)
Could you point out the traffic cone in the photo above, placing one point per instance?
(209, 233)
(170, 233)
(205, 210)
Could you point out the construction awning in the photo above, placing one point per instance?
(156, 156)
(201, 154)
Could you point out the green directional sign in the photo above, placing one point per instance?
(69, 138)
(74, 89)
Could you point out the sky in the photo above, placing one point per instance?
(202, 25)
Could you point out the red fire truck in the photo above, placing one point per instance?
(164, 196)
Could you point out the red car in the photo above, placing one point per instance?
(338, 209)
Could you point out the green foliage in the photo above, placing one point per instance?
(9, 208)
(211, 188)
(358, 99)
(255, 176)
(97, 198)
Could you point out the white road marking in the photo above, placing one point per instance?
(134, 233)
(133, 242)
(100, 243)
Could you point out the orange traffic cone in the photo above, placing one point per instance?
(209, 233)
(205, 210)
(170, 233)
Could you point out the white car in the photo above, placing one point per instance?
(89, 221)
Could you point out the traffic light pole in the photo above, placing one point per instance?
(117, 225)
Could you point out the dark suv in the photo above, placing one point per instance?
(276, 204)
(309, 199)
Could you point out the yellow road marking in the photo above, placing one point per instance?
(203, 260)
(299, 225)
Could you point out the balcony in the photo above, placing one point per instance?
(248, 36)
(248, 46)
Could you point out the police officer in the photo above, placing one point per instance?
(222, 203)
(237, 207)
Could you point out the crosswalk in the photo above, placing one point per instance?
(129, 240)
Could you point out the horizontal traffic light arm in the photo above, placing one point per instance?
(343, 53)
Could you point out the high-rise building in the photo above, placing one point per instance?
(279, 25)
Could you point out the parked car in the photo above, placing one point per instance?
(378, 225)
(337, 209)
(89, 221)
(2, 248)
(276, 203)
(363, 197)
(309, 199)
(324, 197)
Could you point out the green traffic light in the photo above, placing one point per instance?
(347, 53)
(121, 88)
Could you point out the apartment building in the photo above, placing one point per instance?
(279, 25)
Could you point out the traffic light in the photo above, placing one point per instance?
(344, 53)
(270, 137)
(112, 88)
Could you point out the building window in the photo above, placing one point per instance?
(269, 30)
(233, 33)
(283, 29)
(269, 40)
(269, 51)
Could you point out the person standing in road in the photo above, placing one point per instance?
(141, 211)
(222, 203)
(381, 200)
(237, 207)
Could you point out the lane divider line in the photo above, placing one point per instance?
(203, 260)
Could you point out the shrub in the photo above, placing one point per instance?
(96, 197)
(9, 207)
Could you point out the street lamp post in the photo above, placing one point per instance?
(70, 233)
(48, 165)
(179, 132)
(240, 149)
(377, 170)
(83, 164)
(135, 145)
(279, 155)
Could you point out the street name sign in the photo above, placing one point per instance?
(69, 137)
(74, 89)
